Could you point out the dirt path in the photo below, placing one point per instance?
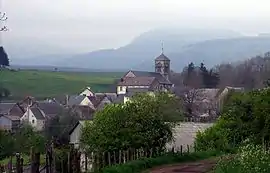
(203, 166)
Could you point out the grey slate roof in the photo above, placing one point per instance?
(50, 108)
(133, 91)
(75, 100)
(137, 81)
(162, 57)
(5, 107)
(159, 76)
(38, 114)
(119, 99)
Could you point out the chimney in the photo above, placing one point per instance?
(66, 100)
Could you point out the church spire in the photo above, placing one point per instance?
(162, 47)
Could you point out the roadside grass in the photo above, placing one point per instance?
(144, 164)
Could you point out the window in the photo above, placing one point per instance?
(121, 88)
(33, 121)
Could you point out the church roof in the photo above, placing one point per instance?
(137, 81)
(162, 57)
(158, 76)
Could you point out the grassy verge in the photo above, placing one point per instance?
(146, 163)
(26, 160)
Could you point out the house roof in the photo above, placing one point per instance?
(82, 123)
(12, 118)
(5, 107)
(162, 57)
(137, 81)
(75, 99)
(160, 78)
(133, 91)
(50, 108)
(110, 96)
(119, 99)
(37, 112)
(85, 112)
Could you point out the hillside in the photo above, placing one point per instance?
(44, 84)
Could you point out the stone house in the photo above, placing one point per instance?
(9, 123)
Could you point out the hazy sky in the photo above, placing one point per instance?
(86, 25)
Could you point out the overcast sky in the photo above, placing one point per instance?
(86, 25)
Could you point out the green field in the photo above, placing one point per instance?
(43, 84)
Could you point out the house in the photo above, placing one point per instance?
(87, 92)
(49, 109)
(34, 117)
(9, 123)
(83, 112)
(75, 133)
(79, 100)
(146, 81)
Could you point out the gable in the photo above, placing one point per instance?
(87, 92)
(130, 74)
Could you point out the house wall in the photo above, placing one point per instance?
(87, 93)
(5, 123)
(30, 118)
(86, 102)
(185, 133)
(74, 137)
(121, 89)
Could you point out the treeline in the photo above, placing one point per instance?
(250, 74)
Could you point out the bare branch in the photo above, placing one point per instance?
(3, 16)
(4, 29)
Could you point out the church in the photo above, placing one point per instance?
(142, 81)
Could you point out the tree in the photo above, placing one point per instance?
(144, 122)
(4, 61)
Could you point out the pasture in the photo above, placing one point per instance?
(43, 84)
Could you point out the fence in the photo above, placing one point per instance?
(74, 161)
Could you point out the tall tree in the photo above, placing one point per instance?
(4, 61)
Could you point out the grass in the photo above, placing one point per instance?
(48, 84)
(143, 165)
(26, 160)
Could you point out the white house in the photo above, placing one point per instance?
(34, 117)
(75, 133)
(87, 92)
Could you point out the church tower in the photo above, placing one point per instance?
(162, 65)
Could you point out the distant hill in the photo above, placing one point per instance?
(180, 45)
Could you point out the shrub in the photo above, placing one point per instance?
(250, 158)
(139, 123)
(245, 117)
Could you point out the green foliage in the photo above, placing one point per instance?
(250, 158)
(245, 117)
(21, 142)
(146, 163)
(143, 122)
(44, 84)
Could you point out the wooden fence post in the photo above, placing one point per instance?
(10, 165)
(187, 148)
(181, 149)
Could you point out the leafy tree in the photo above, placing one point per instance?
(141, 122)
(58, 127)
(6, 144)
(4, 61)
(245, 117)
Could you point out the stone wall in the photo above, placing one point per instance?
(185, 134)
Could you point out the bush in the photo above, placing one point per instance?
(245, 117)
(139, 123)
(250, 158)
(146, 163)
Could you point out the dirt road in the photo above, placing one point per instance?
(203, 166)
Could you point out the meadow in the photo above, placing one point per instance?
(44, 84)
